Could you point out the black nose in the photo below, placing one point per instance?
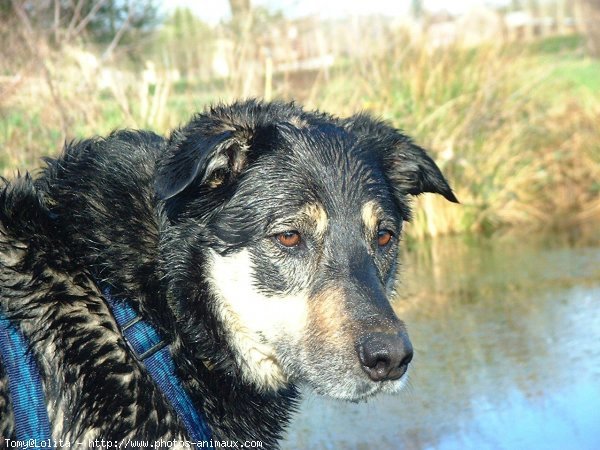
(385, 356)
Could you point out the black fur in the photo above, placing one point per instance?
(136, 212)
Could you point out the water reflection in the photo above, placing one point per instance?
(507, 340)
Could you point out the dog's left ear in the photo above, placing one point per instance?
(413, 172)
(408, 166)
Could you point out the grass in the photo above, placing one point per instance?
(514, 128)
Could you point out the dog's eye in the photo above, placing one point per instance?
(384, 237)
(288, 238)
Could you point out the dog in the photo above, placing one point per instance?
(260, 241)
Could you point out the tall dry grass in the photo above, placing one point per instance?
(520, 147)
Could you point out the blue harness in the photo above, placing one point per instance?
(25, 386)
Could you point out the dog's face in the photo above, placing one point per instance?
(301, 215)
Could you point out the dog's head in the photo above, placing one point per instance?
(294, 218)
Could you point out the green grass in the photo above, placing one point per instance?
(566, 44)
(579, 78)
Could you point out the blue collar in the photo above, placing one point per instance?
(27, 393)
(24, 385)
(153, 352)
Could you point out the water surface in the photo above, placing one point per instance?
(507, 352)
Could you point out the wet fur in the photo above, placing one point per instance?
(176, 225)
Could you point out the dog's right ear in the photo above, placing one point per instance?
(198, 155)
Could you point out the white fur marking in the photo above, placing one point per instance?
(247, 315)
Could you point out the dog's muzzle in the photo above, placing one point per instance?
(385, 356)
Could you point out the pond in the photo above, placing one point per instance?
(506, 334)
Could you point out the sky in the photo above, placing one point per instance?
(213, 11)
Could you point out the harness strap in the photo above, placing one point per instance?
(24, 385)
(150, 349)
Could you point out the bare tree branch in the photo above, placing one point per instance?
(89, 17)
(29, 38)
(56, 25)
(22, 15)
(119, 34)
(75, 18)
